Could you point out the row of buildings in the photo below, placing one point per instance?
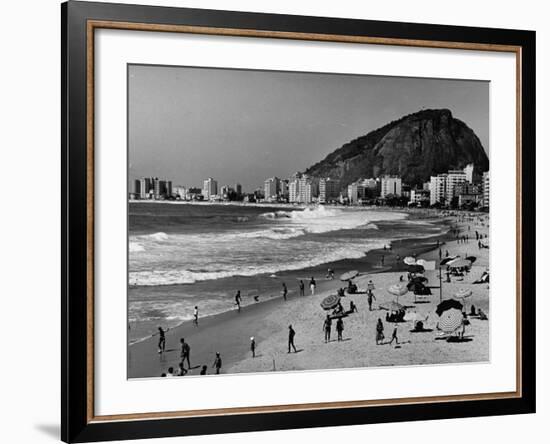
(455, 188)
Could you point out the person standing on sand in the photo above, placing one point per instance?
(312, 285)
(291, 334)
(353, 307)
(217, 363)
(394, 335)
(379, 332)
(327, 326)
(339, 328)
(302, 287)
(204, 369)
(370, 297)
(162, 340)
(253, 346)
(185, 352)
(238, 300)
(196, 316)
(382, 260)
(285, 291)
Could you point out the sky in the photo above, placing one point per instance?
(187, 123)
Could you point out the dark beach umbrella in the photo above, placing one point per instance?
(415, 286)
(420, 279)
(447, 304)
(330, 302)
(472, 259)
(349, 275)
(415, 268)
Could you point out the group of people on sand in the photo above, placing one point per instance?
(380, 333)
(185, 355)
(327, 328)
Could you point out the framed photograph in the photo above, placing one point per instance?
(276, 221)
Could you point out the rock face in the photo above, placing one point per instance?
(414, 147)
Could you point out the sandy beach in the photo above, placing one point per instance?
(229, 333)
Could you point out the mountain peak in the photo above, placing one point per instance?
(415, 147)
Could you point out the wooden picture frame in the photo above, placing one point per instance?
(79, 22)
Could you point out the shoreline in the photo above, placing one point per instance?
(253, 314)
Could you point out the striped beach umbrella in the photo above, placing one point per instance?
(463, 293)
(450, 320)
(398, 289)
(409, 260)
(330, 302)
(349, 275)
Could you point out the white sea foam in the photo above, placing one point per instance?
(184, 276)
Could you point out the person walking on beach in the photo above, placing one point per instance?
(379, 332)
(382, 260)
(370, 297)
(302, 287)
(312, 285)
(353, 307)
(217, 363)
(238, 300)
(185, 352)
(181, 370)
(339, 328)
(327, 326)
(330, 274)
(196, 316)
(291, 334)
(162, 340)
(285, 291)
(253, 346)
(394, 335)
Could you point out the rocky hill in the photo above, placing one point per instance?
(414, 147)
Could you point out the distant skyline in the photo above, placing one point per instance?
(187, 124)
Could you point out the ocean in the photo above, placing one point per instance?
(182, 255)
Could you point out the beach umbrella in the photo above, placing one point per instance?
(330, 302)
(415, 268)
(419, 279)
(459, 263)
(448, 304)
(398, 289)
(463, 293)
(412, 316)
(347, 276)
(393, 306)
(450, 320)
(409, 260)
(472, 259)
(447, 260)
